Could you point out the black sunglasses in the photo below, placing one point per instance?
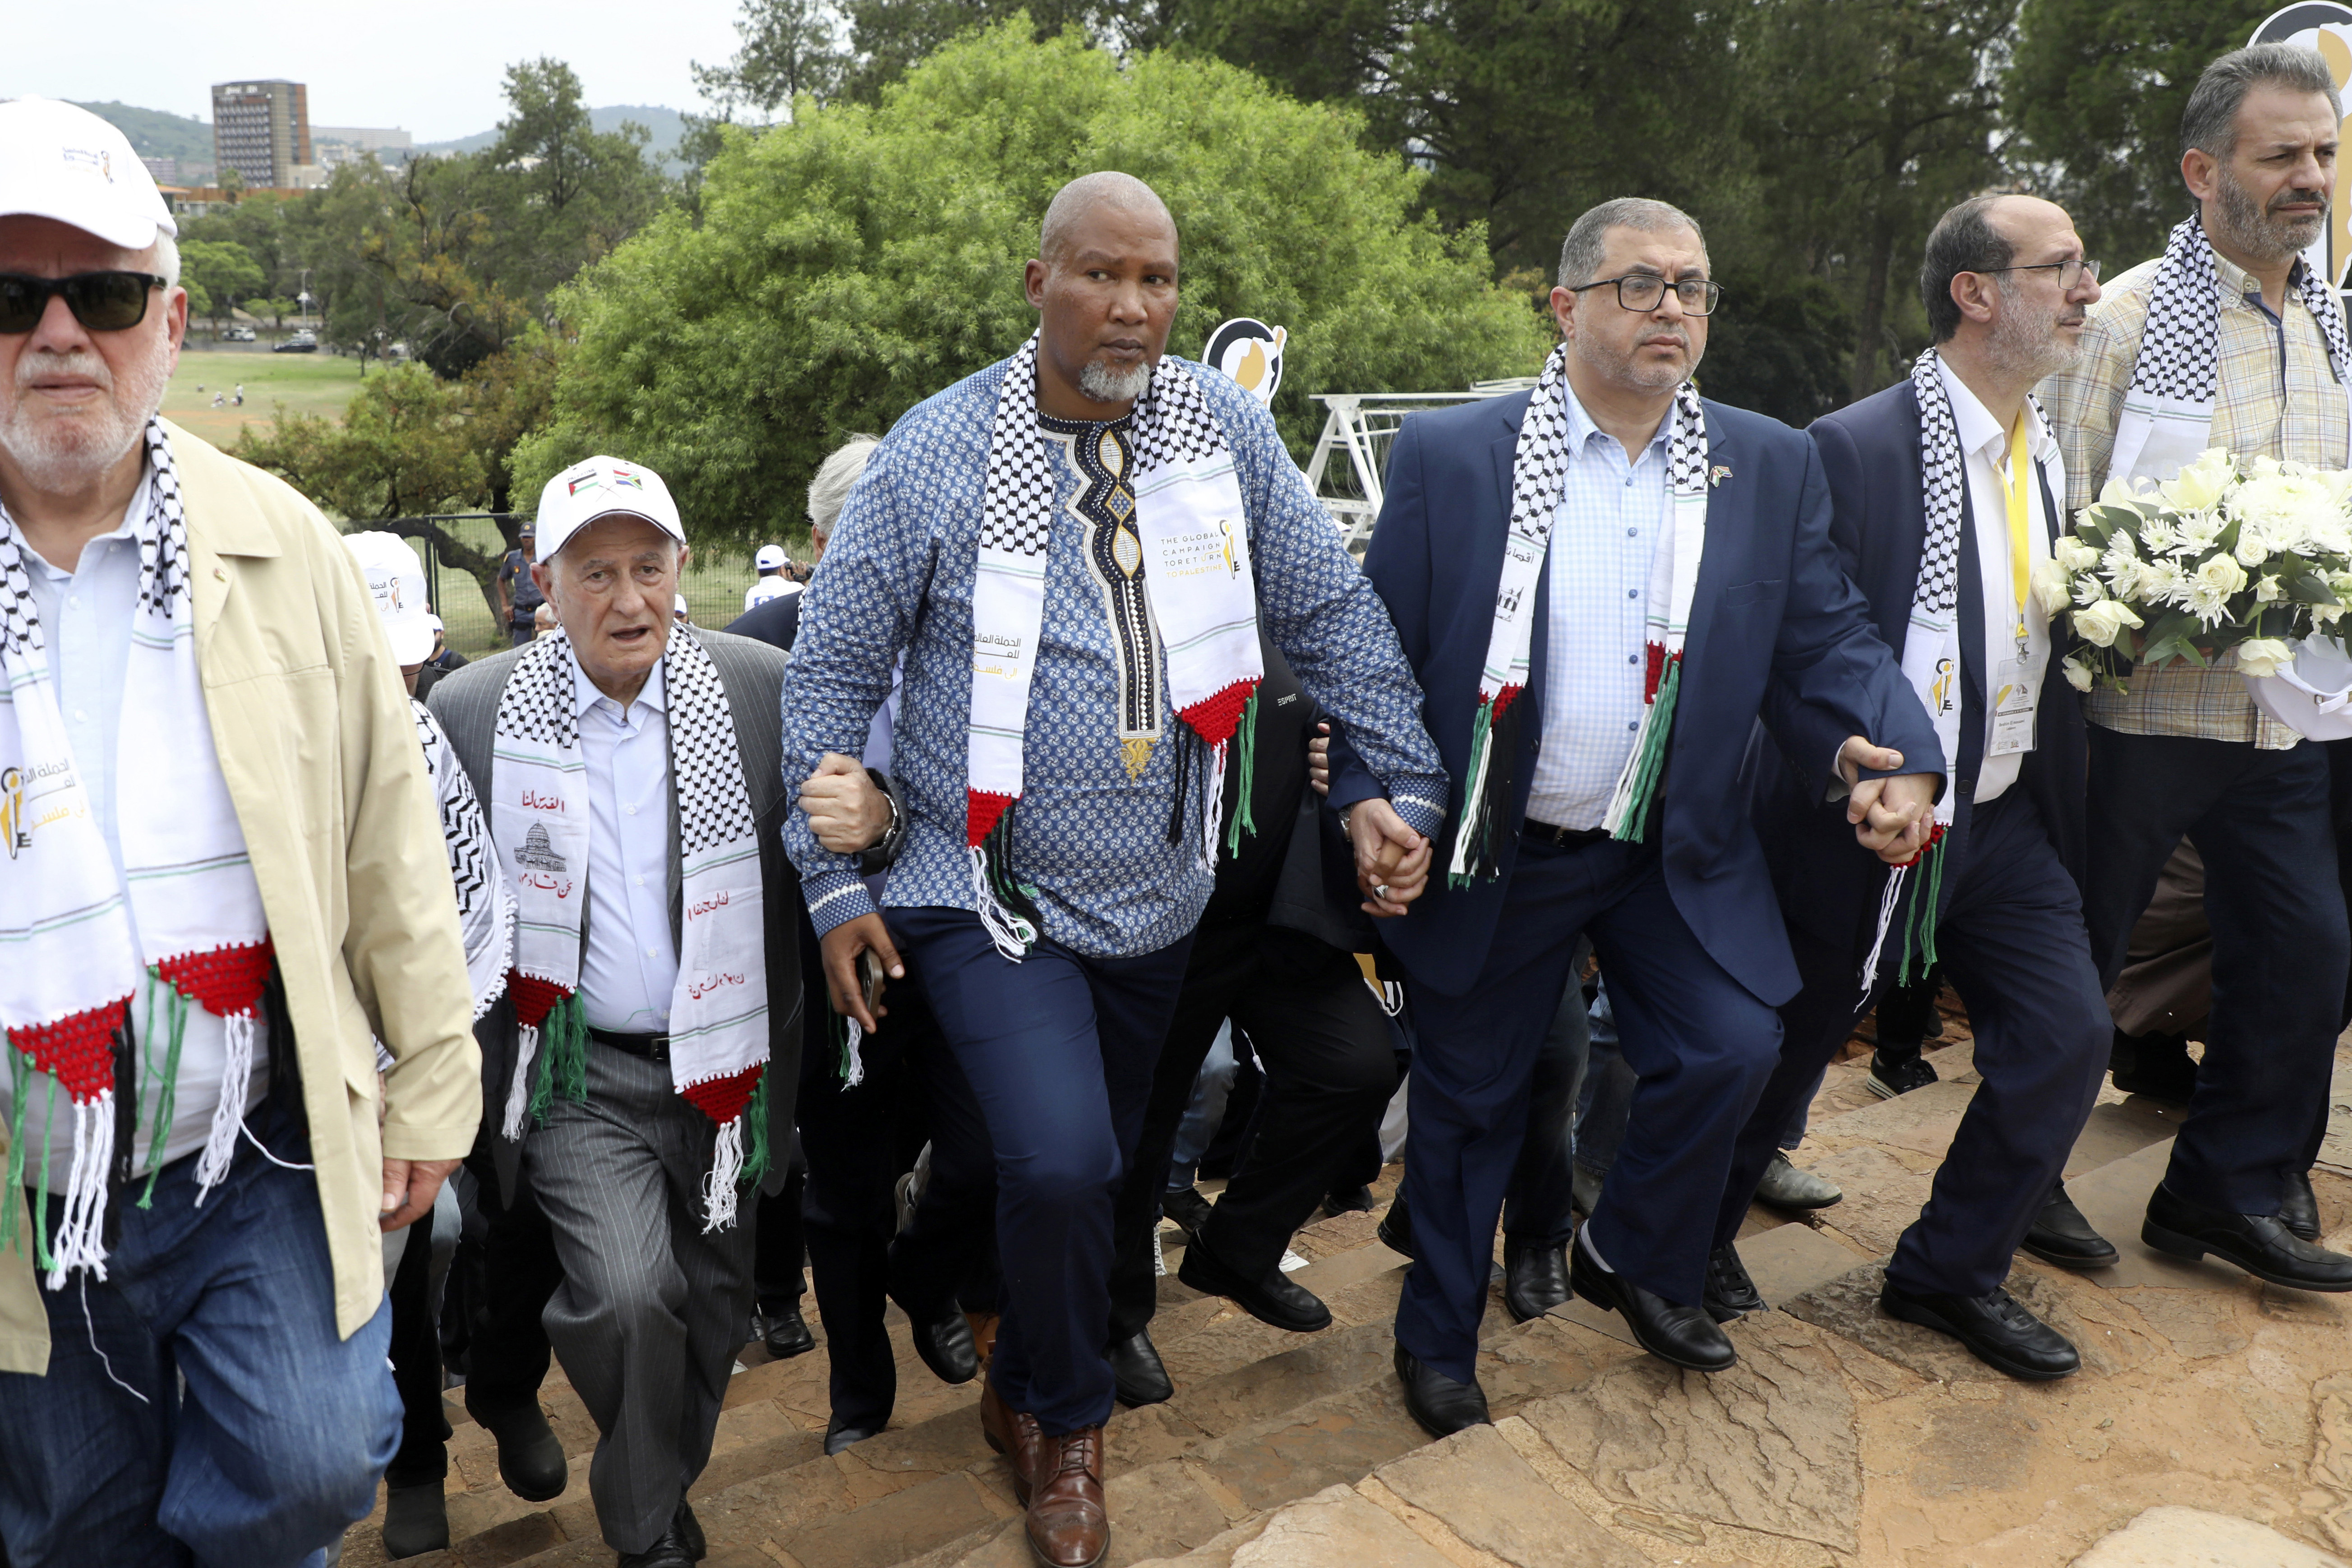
(100, 302)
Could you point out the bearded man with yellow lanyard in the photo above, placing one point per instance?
(1945, 491)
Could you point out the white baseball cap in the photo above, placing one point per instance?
(59, 161)
(397, 580)
(434, 622)
(600, 487)
(770, 559)
(680, 608)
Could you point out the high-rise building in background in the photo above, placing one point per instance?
(262, 130)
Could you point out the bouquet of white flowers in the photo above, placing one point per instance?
(2254, 556)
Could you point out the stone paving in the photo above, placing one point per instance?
(2212, 1424)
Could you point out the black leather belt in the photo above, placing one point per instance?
(1553, 837)
(653, 1047)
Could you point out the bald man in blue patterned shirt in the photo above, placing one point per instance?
(1104, 526)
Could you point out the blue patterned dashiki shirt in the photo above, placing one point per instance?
(1093, 839)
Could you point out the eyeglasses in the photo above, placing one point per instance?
(2070, 273)
(100, 302)
(1642, 290)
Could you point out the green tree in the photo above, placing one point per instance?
(401, 450)
(791, 47)
(857, 260)
(1869, 118)
(226, 271)
(2097, 88)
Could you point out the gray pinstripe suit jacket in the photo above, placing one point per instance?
(752, 673)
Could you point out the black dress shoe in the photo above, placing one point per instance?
(1187, 1208)
(1357, 1202)
(2156, 1065)
(1534, 1278)
(840, 1435)
(1996, 1330)
(2061, 1235)
(530, 1461)
(416, 1519)
(1442, 1406)
(1685, 1336)
(1137, 1373)
(1273, 1299)
(2299, 1206)
(785, 1332)
(668, 1552)
(1395, 1230)
(689, 1531)
(2258, 1243)
(945, 1345)
(1729, 1292)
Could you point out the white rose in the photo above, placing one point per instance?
(2200, 485)
(2264, 656)
(2073, 555)
(2268, 591)
(2102, 623)
(2051, 588)
(2220, 574)
(2078, 674)
(2254, 544)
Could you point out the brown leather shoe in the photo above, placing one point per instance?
(1068, 1526)
(1011, 1433)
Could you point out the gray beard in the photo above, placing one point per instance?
(2257, 233)
(1104, 384)
(61, 455)
(2028, 349)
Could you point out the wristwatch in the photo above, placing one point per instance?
(882, 853)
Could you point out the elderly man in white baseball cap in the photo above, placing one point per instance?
(650, 1044)
(204, 716)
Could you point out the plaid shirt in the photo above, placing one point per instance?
(2278, 397)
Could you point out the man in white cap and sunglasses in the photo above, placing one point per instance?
(644, 1060)
(221, 866)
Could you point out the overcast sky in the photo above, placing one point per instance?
(428, 67)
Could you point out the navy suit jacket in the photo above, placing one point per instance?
(1829, 884)
(1772, 609)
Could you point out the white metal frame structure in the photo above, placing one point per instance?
(1361, 426)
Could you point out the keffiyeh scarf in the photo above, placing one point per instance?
(486, 902)
(539, 822)
(1538, 478)
(1193, 557)
(2167, 416)
(67, 921)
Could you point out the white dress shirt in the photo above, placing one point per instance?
(1611, 517)
(628, 965)
(1985, 445)
(85, 616)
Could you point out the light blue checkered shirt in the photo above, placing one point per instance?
(1611, 516)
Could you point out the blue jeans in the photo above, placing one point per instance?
(274, 1446)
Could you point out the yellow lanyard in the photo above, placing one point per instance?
(2017, 489)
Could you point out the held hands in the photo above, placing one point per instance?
(409, 1188)
(1391, 859)
(1891, 816)
(845, 812)
(842, 945)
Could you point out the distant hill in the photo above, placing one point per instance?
(156, 133)
(667, 126)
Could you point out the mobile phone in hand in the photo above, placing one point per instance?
(869, 980)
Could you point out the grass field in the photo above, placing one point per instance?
(306, 383)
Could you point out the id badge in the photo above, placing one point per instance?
(2012, 708)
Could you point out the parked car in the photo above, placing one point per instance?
(304, 342)
(238, 335)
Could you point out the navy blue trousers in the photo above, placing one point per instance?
(2012, 943)
(1058, 1050)
(2261, 820)
(1700, 1043)
(276, 1442)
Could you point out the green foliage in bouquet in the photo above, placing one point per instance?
(2225, 557)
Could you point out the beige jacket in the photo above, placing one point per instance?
(319, 746)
